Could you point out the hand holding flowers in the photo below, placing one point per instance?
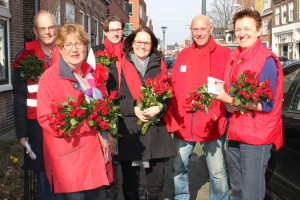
(247, 89)
(151, 103)
(199, 99)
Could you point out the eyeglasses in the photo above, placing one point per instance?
(111, 31)
(69, 46)
(202, 29)
(43, 29)
(139, 43)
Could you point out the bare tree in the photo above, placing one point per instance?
(221, 15)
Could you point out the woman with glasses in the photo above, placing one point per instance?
(140, 62)
(75, 165)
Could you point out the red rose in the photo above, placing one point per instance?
(62, 123)
(80, 113)
(113, 94)
(99, 119)
(241, 84)
(15, 65)
(72, 113)
(60, 107)
(104, 125)
(238, 87)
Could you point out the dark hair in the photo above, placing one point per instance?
(250, 14)
(109, 19)
(129, 40)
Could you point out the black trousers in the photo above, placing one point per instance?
(81, 195)
(154, 175)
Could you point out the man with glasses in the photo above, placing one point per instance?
(113, 28)
(27, 127)
(193, 65)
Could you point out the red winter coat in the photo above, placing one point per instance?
(75, 163)
(198, 126)
(265, 128)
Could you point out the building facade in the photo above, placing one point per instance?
(16, 23)
(266, 16)
(286, 28)
(138, 16)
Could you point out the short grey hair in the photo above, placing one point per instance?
(43, 12)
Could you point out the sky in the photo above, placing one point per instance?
(175, 15)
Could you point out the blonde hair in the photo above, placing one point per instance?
(67, 29)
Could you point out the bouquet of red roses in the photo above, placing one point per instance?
(199, 99)
(103, 62)
(67, 115)
(32, 67)
(248, 88)
(154, 94)
(104, 114)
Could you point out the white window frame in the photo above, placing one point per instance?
(68, 5)
(82, 18)
(89, 29)
(265, 27)
(291, 11)
(141, 12)
(277, 13)
(267, 4)
(97, 30)
(6, 17)
(283, 14)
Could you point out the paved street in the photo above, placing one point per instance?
(199, 178)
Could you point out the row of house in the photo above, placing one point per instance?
(16, 22)
(280, 23)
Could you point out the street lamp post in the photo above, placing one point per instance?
(164, 28)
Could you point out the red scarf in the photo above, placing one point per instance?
(116, 49)
(198, 66)
(134, 84)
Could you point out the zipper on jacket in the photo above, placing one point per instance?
(192, 138)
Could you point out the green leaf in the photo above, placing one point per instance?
(91, 123)
(73, 121)
(70, 98)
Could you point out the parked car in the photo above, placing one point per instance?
(288, 62)
(170, 62)
(283, 171)
(282, 59)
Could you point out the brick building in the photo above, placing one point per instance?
(266, 16)
(286, 28)
(138, 15)
(16, 22)
(119, 8)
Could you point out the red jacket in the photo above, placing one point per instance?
(75, 163)
(32, 86)
(265, 128)
(198, 126)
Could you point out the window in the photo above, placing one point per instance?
(291, 11)
(267, 4)
(81, 18)
(265, 27)
(130, 9)
(295, 104)
(4, 68)
(70, 13)
(89, 29)
(4, 3)
(141, 12)
(283, 14)
(277, 16)
(54, 7)
(96, 31)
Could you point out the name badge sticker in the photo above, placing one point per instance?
(183, 68)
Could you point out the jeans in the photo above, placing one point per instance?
(247, 166)
(214, 155)
(43, 187)
(81, 195)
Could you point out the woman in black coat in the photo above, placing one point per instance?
(137, 150)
